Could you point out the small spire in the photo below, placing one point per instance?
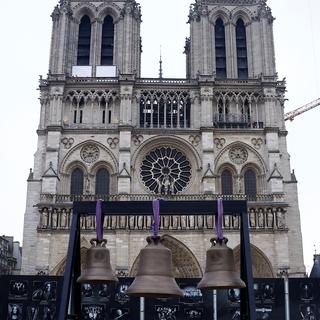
(160, 63)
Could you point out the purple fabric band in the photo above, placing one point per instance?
(156, 217)
(99, 221)
(219, 219)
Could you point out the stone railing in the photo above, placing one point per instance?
(47, 198)
(56, 211)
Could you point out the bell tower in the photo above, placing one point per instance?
(230, 39)
(95, 39)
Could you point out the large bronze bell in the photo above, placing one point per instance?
(155, 276)
(220, 270)
(97, 266)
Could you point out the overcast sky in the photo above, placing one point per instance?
(25, 41)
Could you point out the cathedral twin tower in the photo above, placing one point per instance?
(107, 132)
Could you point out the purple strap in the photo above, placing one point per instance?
(99, 221)
(219, 219)
(156, 217)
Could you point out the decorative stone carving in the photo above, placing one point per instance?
(257, 142)
(90, 153)
(238, 155)
(67, 142)
(194, 139)
(165, 171)
(137, 139)
(219, 142)
(113, 142)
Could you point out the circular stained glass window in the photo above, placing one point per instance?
(165, 171)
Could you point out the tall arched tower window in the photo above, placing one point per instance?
(76, 182)
(84, 41)
(226, 182)
(107, 42)
(250, 183)
(241, 42)
(102, 182)
(220, 43)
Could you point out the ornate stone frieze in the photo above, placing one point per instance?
(219, 142)
(131, 7)
(113, 142)
(257, 142)
(260, 219)
(195, 139)
(67, 142)
(137, 139)
(90, 153)
(238, 155)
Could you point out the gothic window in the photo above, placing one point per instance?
(84, 42)
(220, 43)
(241, 43)
(226, 182)
(250, 183)
(102, 182)
(107, 42)
(76, 182)
(166, 171)
(172, 111)
(245, 111)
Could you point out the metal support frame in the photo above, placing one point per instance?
(71, 290)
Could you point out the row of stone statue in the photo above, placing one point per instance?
(261, 218)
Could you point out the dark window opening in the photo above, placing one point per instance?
(104, 116)
(250, 183)
(75, 116)
(220, 44)
(226, 182)
(241, 43)
(76, 182)
(107, 42)
(84, 42)
(109, 117)
(81, 114)
(102, 182)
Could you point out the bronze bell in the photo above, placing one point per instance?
(220, 270)
(155, 277)
(97, 266)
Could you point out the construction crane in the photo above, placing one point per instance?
(292, 114)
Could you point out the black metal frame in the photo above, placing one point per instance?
(72, 290)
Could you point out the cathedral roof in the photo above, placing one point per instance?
(315, 272)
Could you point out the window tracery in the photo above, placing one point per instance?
(241, 44)
(77, 178)
(220, 46)
(107, 41)
(165, 109)
(226, 182)
(166, 171)
(84, 42)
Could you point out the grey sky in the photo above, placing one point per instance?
(25, 34)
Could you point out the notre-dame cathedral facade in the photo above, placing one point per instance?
(106, 132)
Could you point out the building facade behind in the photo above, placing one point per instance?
(106, 132)
(10, 256)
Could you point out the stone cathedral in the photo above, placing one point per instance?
(106, 132)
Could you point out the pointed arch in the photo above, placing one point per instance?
(185, 264)
(77, 182)
(84, 41)
(107, 41)
(241, 45)
(261, 265)
(220, 49)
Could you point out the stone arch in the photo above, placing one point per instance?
(233, 172)
(241, 13)
(185, 264)
(253, 157)
(261, 265)
(222, 13)
(110, 10)
(68, 159)
(84, 9)
(59, 269)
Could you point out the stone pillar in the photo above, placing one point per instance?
(124, 176)
(208, 180)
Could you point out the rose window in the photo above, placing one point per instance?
(165, 171)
